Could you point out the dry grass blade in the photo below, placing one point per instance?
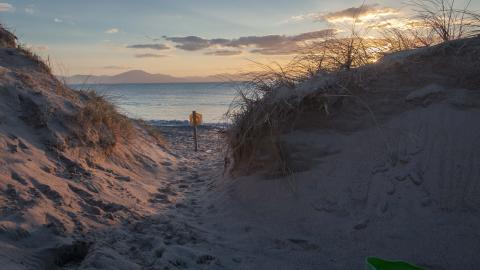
(44, 64)
(446, 18)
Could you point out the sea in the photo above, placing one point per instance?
(170, 104)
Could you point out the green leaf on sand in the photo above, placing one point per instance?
(379, 264)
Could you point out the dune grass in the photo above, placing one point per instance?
(100, 123)
(260, 113)
(44, 64)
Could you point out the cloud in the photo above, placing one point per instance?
(30, 10)
(270, 44)
(155, 46)
(397, 23)
(65, 19)
(224, 53)
(361, 13)
(303, 17)
(116, 67)
(112, 31)
(258, 41)
(6, 7)
(149, 55)
(190, 43)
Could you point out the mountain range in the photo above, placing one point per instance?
(140, 76)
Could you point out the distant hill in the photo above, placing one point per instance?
(140, 76)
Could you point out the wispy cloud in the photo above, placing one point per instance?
(270, 44)
(303, 17)
(155, 46)
(361, 13)
(112, 31)
(224, 53)
(366, 15)
(149, 55)
(116, 67)
(66, 19)
(30, 10)
(191, 43)
(6, 7)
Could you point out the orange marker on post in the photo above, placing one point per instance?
(195, 120)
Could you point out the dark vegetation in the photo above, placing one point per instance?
(7, 38)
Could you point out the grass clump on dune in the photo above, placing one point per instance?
(101, 124)
(257, 117)
(28, 52)
(268, 106)
(7, 38)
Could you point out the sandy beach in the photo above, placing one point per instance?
(206, 220)
(375, 154)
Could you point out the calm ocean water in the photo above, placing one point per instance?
(170, 103)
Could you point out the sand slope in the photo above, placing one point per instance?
(393, 170)
(52, 187)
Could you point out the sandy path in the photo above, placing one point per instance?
(205, 225)
(175, 238)
(343, 210)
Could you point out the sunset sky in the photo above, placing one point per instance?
(180, 37)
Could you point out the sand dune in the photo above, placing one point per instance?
(394, 175)
(56, 179)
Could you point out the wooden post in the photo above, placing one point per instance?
(195, 141)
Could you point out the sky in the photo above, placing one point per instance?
(180, 37)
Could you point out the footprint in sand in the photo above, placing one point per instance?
(12, 148)
(205, 259)
(48, 192)
(304, 244)
(15, 176)
(160, 198)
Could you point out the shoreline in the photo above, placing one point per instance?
(184, 124)
(169, 104)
